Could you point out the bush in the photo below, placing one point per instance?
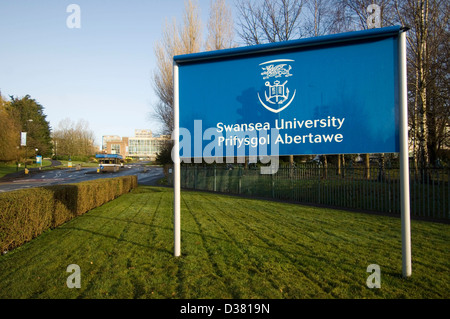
(25, 214)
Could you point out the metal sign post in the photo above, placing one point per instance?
(176, 164)
(404, 158)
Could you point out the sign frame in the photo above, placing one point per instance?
(244, 52)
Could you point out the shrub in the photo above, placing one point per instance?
(25, 214)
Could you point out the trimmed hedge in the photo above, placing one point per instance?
(25, 214)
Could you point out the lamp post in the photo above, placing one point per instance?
(26, 147)
(17, 158)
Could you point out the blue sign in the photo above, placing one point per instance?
(326, 95)
(39, 159)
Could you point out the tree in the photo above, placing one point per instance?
(73, 139)
(164, 156)
(9, 133)
(220, 27)
(31, 117)
(428, 54)
(185, 39)
(428, 75)
(191, 32)
(353, 15)
(176, 40)
(320, 18)
(428, 51)
(269, 21)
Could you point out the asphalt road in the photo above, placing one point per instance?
(147, 175)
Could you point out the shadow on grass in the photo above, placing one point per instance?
(148, 189)
(205, 238)
(116, 238)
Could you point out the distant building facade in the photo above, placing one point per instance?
(142, 146)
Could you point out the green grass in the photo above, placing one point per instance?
(231, 248)
(8, 168)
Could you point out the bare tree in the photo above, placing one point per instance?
(352, 15)
(269, 20)
(191, 32)
(164, 50)
(220, 27)
(428, 53)
(419, 10)
(320, 17)
(73, 139)
(439, 84)
(175, 40)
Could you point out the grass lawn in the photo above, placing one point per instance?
(8, 168)
(231, 248)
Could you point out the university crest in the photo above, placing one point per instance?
(277, 95)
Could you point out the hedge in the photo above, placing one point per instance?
(27, 213)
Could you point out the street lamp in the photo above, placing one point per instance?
(26, 147)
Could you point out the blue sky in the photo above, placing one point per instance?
(100, 72)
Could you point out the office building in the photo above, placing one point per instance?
(142, 146)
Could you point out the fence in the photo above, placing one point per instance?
(355, 187)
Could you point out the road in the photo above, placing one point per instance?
(147, 175)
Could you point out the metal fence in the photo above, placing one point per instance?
(375, 189)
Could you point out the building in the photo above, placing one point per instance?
(119, 146)
(143, 134)
(142, 146)
(109, 138)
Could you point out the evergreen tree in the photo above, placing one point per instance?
(30, 115)
(9, 133)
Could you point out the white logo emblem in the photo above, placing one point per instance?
(276, 93)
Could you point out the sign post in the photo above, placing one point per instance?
(336, 94)
(404, 158)
(176, 164)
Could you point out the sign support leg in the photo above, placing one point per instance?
(404, 160)
(176, 165)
